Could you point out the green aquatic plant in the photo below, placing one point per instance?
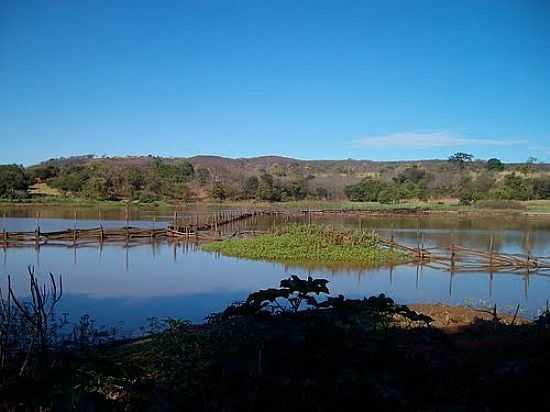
(313, 243)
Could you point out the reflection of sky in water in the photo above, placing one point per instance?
(118, 284)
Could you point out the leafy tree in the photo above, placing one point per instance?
(514, 187)
(135, 181)
(71, 179)
(96, 188)
(460, 159)
(541, 188)
(495, 165)
(180, 171)
(250, 187)
(218, 191)
(13, 180)
(391, 194)
(365, 191)
(299, 189)
(43, 172)
(265, 188)
(412, 174)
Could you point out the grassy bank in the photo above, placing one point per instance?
(500, 206)
(312, 243)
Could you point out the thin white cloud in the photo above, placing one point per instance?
(431, 139)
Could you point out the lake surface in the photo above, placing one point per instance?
(119, 285)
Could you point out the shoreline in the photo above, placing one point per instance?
(525, 208)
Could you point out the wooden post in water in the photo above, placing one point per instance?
(37, 230)
(528, 247)
(453, 255)
(101, 234)
(491, 252)
(5, 233)
(74, 228)
(418, 253)
(127, 221)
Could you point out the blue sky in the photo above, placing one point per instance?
(308, 79)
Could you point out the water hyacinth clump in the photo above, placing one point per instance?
(312, 243)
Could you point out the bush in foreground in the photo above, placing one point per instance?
(293, 348)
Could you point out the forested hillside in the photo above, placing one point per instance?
(273, 178)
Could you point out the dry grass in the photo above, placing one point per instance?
(42, 189)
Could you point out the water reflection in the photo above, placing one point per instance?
(131, 283)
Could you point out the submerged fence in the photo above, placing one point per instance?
(186, 227)
(212, 225)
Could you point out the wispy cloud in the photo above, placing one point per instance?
(431, 139)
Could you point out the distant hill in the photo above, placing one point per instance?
(252, 165)
(279, 178)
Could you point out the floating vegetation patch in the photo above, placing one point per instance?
(313, 243)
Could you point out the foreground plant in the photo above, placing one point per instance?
(293, 348)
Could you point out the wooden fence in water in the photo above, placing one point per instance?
(456, 258)
(186, 227)
(208, 227)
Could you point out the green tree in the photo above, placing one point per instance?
(299, 189)
(135, 181)
(180, 171)
(365, 191)
(265, 187)
(14, 182)
(390, 194)
(495, 165)
(218, 191)
(43, 172)
(460, 159)
(541, 187)
(250, 187)
(96, 188)
(412, 174)
(515, 187)
(71, 179)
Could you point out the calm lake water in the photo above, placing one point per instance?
(119, 285)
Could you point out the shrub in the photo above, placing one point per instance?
(13, 179)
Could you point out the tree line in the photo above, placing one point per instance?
(456, 179)
(168, 179)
